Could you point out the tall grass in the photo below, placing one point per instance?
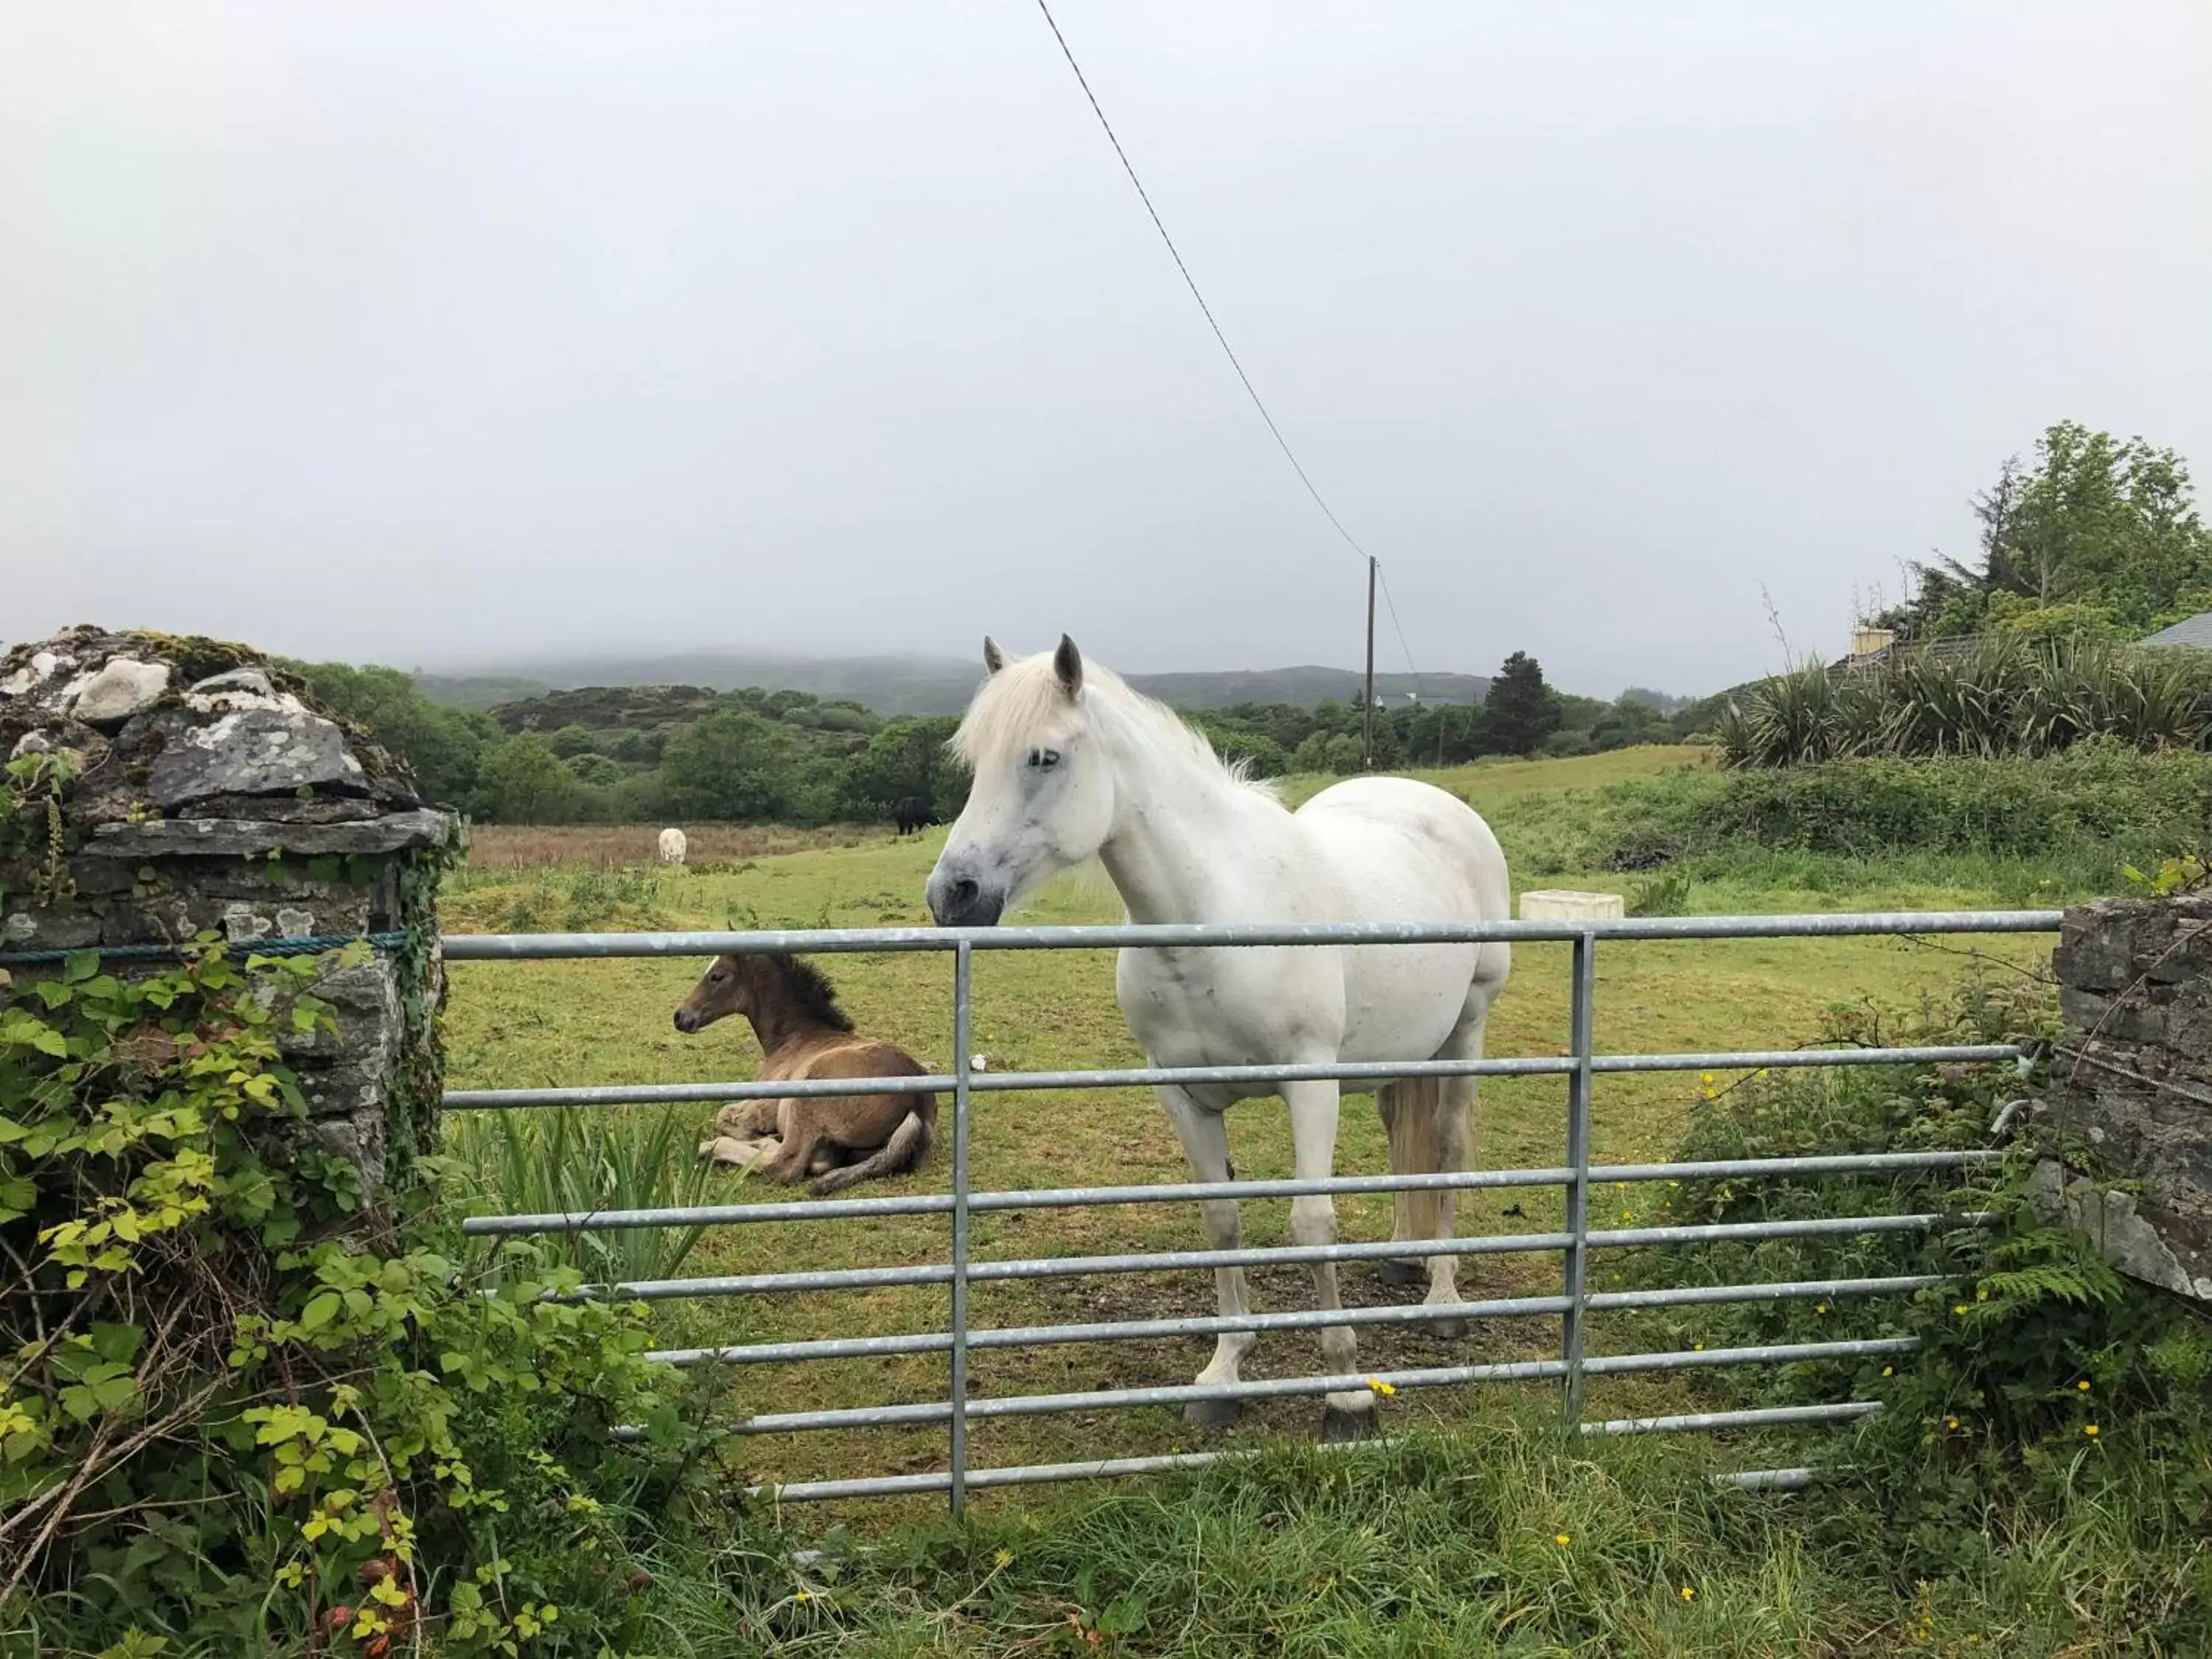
(1517, 1539)
(572, 1159)
(2005, 698)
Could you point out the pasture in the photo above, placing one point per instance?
(534, 1024)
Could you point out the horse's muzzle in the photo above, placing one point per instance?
(686, 1021)
(961, 901)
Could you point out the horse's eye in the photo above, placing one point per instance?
(716, 977)
(1044, 759)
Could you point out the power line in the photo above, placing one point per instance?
(1400, 628)
(1191, 283)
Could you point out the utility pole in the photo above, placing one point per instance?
(1368, 738)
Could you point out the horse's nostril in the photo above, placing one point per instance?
(965, 890)
(680, 1025)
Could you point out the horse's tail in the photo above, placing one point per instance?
(908, 1146)
(1430, 1124)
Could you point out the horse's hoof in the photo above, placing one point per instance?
(1213, 1413)
(1400, 1275)
(1340, 1427)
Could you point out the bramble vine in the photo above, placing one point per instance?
(231, 1409)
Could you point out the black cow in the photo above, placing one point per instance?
(914, 814)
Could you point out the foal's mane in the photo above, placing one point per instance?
(1017, 707)
(810, 990)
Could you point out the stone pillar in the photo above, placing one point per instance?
(166, 788)
(2132, 1084)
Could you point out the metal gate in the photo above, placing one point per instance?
(1572, 1242)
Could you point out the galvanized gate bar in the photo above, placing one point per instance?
(1365, 1070)
(1067, 1198)
(514, 947)
(1283, 1388)
(1843, 1411)
(1581, 1017)
(962, 1022)
(837, 1278)
(1026, 1336)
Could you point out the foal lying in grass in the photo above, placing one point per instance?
(840, 1142)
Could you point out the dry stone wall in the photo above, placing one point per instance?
(2133, 1080)
(165, 789)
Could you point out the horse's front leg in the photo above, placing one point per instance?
(1205, 1139)
(1349, 1415)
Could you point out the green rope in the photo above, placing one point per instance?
(306, 944)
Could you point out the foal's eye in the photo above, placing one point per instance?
(1044, 759)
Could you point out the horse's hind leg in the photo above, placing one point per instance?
(1349, 1415)
(1446, 1120)
(1205, 1139)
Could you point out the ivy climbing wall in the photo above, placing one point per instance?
(163, 792)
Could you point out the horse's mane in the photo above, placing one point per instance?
(1016, 706)
(809, 987)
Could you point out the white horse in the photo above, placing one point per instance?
(672, 845)
(1070, 763)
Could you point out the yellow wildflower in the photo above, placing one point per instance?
(2083, 1385)
(1688, 1595)
(2090, 1430)
(1563, 1540)
(1960, 1310)
(1887, 1371)
(1004, 1558)
(1382, 1388)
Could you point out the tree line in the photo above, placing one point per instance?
(787, 756)
(2099, 540)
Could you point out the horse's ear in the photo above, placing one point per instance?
(1068, 664)
(993, 658)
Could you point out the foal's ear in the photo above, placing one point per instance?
(1068, 664)
(993, 658)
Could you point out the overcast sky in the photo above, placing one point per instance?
(442, 335)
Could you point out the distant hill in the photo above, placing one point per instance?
(898, 685)
(891, 686)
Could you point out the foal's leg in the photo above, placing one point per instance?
(1205, 1139)
(1347, 1416)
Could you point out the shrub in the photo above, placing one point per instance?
(243, 1414)
(2099, 804)
(2013, 695)
(2044, 1380)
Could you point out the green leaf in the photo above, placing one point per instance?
(319, 1311)
(81, 966)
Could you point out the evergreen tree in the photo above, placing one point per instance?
(1520, 711)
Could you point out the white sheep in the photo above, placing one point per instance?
(671, 847)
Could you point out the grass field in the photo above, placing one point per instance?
(531, 1024)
